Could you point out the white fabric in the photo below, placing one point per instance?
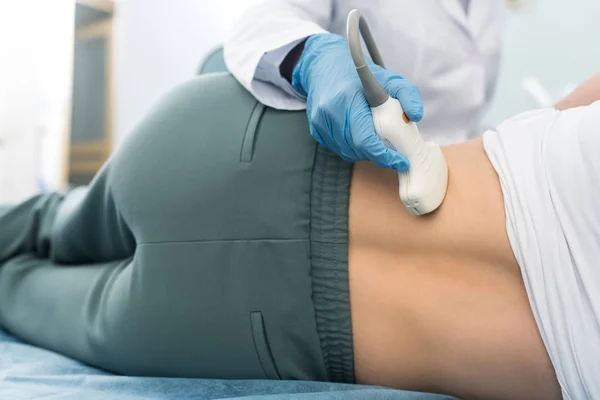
(549, 171)
(453, 56)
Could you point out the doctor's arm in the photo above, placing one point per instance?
(261, 40)
(587, 93)
(320, 70)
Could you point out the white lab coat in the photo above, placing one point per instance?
(453, 56)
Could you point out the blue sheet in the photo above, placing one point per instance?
(28, 373)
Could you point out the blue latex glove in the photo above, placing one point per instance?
(339, 116)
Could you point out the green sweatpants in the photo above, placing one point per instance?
(212, 244)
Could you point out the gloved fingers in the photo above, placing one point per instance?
(326, 140)
(314, 132)
(369, 145)
(384, 157)
(360, 123)
(346, 141)
(408, 94)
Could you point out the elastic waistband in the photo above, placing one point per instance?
(329, 259)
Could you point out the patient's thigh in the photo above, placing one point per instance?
(214, 210)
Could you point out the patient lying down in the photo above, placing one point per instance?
(493, 296)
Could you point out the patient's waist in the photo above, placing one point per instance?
(440, 295)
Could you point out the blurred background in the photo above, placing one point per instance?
(76, 76)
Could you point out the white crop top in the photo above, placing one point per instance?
(549, 168)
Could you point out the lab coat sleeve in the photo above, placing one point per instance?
(262, 38)
(496, 19)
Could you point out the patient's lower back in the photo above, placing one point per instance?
(438, 303)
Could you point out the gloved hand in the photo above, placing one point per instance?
(339, 116)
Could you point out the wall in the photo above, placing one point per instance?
(35, 64)
(160, 43)
(556, 43)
